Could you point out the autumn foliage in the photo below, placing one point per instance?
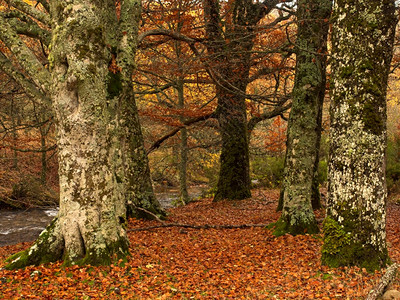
(184, 263)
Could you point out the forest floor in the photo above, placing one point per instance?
(186, 263)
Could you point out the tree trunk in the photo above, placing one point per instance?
(98, 135)
(13, 115)
(183, 147)
(230, 51)
(141, 201)
(305, 118)
(362, 45)
(43, 170)
(234, 177)
(140, 198)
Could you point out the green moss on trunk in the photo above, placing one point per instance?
(304, 127)
(47, 248)
(295, 223)
(102, 256)
(341, 249)
(362, 45)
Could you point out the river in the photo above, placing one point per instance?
(18, 226)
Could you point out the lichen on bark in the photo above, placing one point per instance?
(304, 127)
(98, 135)
(362, 45)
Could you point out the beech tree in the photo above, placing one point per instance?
(36, 23)
(172, 97)
(304, 128)
(88, 83)
(229, 58)
(362, 45)
(229, 45)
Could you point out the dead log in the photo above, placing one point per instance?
(383, 284)
(205, 226)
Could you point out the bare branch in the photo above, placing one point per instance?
(206, 226)
(38, 73)
(158, 143)
(31, 11)
(172, 34)
(383, 283)
(266, 115)
(30, 88)
(34, 150)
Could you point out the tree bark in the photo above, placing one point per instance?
(362, 45)
(37, 83)
(98, 134)
(304, 127)
(183, 148)
(231, 61)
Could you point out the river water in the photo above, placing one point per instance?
(18, 226)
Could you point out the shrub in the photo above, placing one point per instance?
(268, 170)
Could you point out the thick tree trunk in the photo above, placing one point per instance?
(98, 135)
(140, 198)
(305, 121)
(231, 62)
(362, 45)
(141, 201)
(234, 177)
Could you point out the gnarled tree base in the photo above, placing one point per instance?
(50, 247)
(297, 224)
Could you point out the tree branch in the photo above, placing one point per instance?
(45, 4)
(30, 29)
(31, 11)
(206, 226)
(29, 87)
(266, 115)
(383, 283)
(163, 32)
(35, 150)
(38, 73)
(158, 143)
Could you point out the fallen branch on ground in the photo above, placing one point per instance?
(385, 281)
(205, 226)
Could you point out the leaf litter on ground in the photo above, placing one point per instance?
(187, 263)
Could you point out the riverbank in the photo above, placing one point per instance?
(25, 225)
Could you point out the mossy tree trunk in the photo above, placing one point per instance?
(229, 46)
(36, 82)
(98, 133)
(303, 137)
(234, 177)
(362, 45)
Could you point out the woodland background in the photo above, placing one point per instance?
(176, 101)
(176, 108)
